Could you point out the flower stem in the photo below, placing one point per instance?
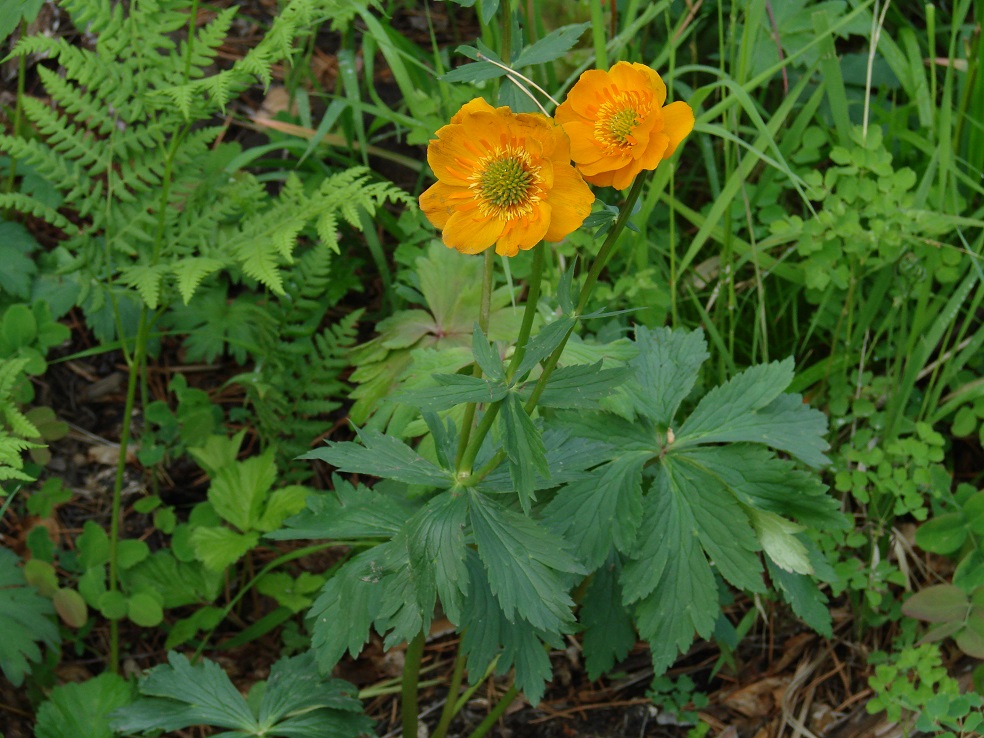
(467, 459)
(589, 282)
(532, 300)
(408, 695)
(449, 711)
(551, 363)
(501, 706)
(135, 365)
(485, 308)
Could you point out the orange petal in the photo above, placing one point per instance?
(624, 176)
(678, 121)
(584, 147)
(440, 200)
(570, 200)
(478, 105)
(524, 233)
(469, 233)
(602, 179)
(588, 93)
(606, 163)
(653, 81)
(655, 152)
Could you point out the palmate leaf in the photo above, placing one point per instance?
(436, 545)
(581, 386)
(666, 369)
(345, 609)
(804, 596)
(297, 702)
(382, 456)
(528, 566)
(25, 620)
(603, 510)
(348, 511)
(671, 578)
(488, 633)
(453, 389)
(608, 631)
(760, 480)
(567, 458)
(84, 708)
(751, 408)
(524, 449)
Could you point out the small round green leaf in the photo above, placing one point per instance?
(131, 552)
(112, 605)
(144, 610)
(41, 575)
(944, 534)
(973, 509)
(147, 504)
(964, 422)
(71, 608)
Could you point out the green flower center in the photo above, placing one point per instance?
(622, 123)
(617, 119)
(506, 183)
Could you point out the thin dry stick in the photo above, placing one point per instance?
(514, 75)
(876, 29)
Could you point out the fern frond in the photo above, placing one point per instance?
(146, 279)
(207, 41)
(99, 16)
(61, 172)
(190, 273)
(26, 204)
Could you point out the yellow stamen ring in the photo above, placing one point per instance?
(506, 183)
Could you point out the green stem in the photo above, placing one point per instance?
(279, 561)
(598, 34)
(408, 696)
(449, 711)
(133, 380)
(609, 245)
(485, 310)
(532, 300)
(18, 110)
(467, 459)
(551, 363)
(501, 706)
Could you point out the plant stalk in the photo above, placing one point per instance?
(408, 695)
(500, 707)
(551, 363)
(485, 309)
(485, 424)
(133, 380)
(449, 711)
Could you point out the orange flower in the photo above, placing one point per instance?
(618, 126)
(503, 179)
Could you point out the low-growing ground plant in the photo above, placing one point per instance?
(624, 335)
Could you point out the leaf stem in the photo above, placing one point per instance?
(467, 460)
(485, 310)
(280, 560)
(551, 363)
(408, 695)
(449, 711)
(532, 300)
(500, 707)
(134, 365)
